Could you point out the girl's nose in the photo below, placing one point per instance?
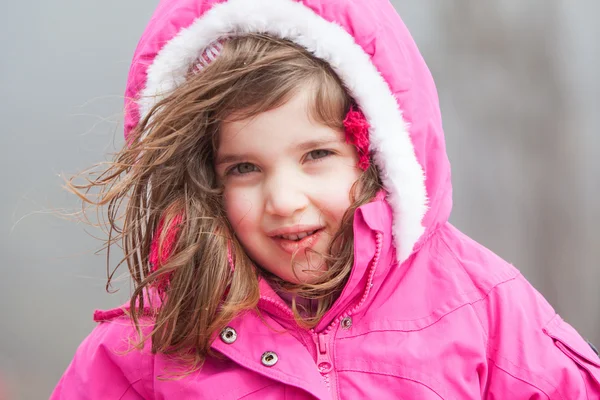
(285, 195)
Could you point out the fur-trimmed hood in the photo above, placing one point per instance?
(371, 50)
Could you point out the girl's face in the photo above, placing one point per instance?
(287, 181)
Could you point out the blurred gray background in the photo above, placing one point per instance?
(519, 95)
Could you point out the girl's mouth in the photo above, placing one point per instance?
(291, 243)
(297, 237)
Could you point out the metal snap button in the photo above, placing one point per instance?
(228, 335)
(269, 359)
(347, 323)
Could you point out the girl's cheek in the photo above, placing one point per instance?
(338, 192)
(239, 206)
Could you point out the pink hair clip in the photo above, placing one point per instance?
(208, 55)
(357, 127)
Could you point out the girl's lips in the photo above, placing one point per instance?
(292, 246)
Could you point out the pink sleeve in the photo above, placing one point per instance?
(532, 352)
(106, 367)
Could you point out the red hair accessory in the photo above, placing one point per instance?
(160, 252)
(356, 127)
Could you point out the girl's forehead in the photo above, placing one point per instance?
(289, 125)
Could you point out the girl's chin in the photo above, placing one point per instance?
(308, 267)
(303, 275)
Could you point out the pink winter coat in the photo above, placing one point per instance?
(427, 312)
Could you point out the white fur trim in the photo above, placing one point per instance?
(402, 174)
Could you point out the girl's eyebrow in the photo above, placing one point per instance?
(311, 144)
(230, 158)
(304, 146)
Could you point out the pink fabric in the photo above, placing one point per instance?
(454, 321)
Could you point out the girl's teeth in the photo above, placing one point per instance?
(302, 235)
(297, 237)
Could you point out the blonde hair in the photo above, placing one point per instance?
(165, 173)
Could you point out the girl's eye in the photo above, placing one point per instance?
(242, 169)
(317, 154)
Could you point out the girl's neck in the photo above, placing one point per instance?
(306, 307)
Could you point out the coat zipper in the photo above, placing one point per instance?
(324, 362)
(322, 340)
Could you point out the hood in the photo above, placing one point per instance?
(371, 50)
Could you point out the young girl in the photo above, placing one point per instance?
(285, 194)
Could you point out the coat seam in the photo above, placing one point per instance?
(335, 360)
(426, 238)
(583, 377)
(493, 360)
(483, 330)
(253, 391)
(526, 381)
(370, 371)
(153, 371)
(484, 293)
(408, 330)
(129, 387)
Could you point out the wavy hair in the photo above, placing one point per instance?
(164, 176)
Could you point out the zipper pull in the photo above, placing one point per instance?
(324, 363)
